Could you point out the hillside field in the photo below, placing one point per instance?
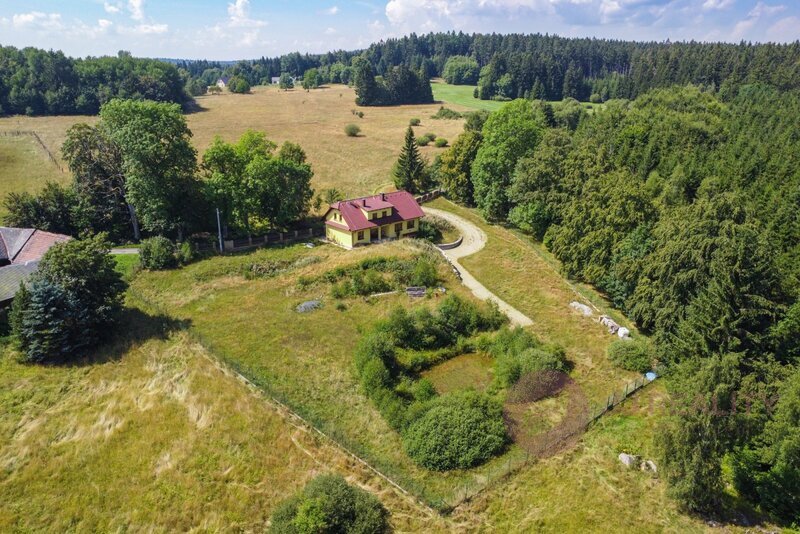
(314, 119)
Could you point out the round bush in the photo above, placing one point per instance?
(157, 253)
(631, 354)
(431, 136)
(440, 142)
(352, 130)
(459, 430)
(423, 140)
(414, 122)
(329, 504)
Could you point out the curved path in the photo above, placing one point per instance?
(475, 240)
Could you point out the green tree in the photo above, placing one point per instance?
(311, 79)
(410, 172)
(509, 134)
(158, 160)
(238, 85)
(54, 209)
(285, 82)
(70, 303)
(455, 167)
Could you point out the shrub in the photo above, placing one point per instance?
(157, 253)
(459, 430)
(631, 354)
(329, 504)
(414, 122)
(446, 113)
(70, 302)
(423, 140)
(431, 136)
(595, 98)
(352, 130)
(186, 253)
(424, 274)
(440, 142)
(517, 352)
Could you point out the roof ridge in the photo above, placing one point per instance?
(21, 248)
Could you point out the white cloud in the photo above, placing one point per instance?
(754, 17)
(144, 29)
(330, 31)
(37, 20)
(239, 15)
(763, 9)
(785, 30)
(112, 8)
(333, 10)
(717, 4)
(136, 8)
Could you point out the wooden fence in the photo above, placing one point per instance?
(617, 397)
(272, 239)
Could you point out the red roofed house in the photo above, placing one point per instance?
(365, 220)
(20, 252)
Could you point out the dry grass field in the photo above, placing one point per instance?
(314, 119)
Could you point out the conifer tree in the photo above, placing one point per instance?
(410, 173)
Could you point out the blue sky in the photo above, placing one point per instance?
(235, 29)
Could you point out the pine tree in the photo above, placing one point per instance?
(410, 173)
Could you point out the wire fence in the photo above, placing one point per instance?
(38, 140)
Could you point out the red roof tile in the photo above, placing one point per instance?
(39, 243)
(403, 202)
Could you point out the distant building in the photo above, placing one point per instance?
(276, 80)
(20, 252)
(365, 220)
(222, 83)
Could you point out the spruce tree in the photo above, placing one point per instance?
(410, 173)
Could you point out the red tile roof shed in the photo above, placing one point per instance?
(403, 202)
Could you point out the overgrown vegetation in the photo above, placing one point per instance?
(632, 354)
(329, 504)
(518, 352)
(470, 426)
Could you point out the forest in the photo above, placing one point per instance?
(541, 66)
(40, 82)
(683, 208)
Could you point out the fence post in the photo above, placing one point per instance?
(281, 233)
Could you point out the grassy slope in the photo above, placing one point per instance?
(461, 95)
(315, 120)
(305, 360)
(24, 166)
(154, 436)
(524, 275)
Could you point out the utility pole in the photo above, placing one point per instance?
(219, 232)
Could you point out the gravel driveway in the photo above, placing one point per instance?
(475, 240)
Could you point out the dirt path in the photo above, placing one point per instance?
(475, 240)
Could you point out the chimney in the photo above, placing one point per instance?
(383, 196)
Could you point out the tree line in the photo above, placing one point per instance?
(40, 82)
(137, 172)
(682, 207)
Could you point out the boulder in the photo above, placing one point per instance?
(649, 465)
(623, 333)
(628, 460)
(583, 309)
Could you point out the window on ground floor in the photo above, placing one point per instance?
(410, 224)
(360, 236)
(398, 228)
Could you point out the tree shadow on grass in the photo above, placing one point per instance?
(135, 327)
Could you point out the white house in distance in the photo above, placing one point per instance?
(222, 83)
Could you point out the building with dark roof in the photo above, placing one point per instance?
(20, 252)
(365, 220)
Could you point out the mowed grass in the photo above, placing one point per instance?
(316, 119)
(461, 95)
(152, 435)
(306, 360)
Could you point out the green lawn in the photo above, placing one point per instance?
(468, 371)
(462, 95)
(24, 167)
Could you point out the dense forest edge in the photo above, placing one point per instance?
(504, 67)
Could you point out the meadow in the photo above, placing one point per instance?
(315, 119)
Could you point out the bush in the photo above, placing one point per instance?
(186, 253)
(157, 253)
(430, 136)
(631, 354)
(517, 352)
(329, 504)
(70, 302)
(414, 122)
(440, 142)
(352, 130)
(423, 140)
(424, 274)
(459, 430)
(446, 113)
(595, 98)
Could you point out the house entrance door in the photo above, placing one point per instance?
(373, 234)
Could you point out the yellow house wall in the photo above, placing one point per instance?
(342, 237)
